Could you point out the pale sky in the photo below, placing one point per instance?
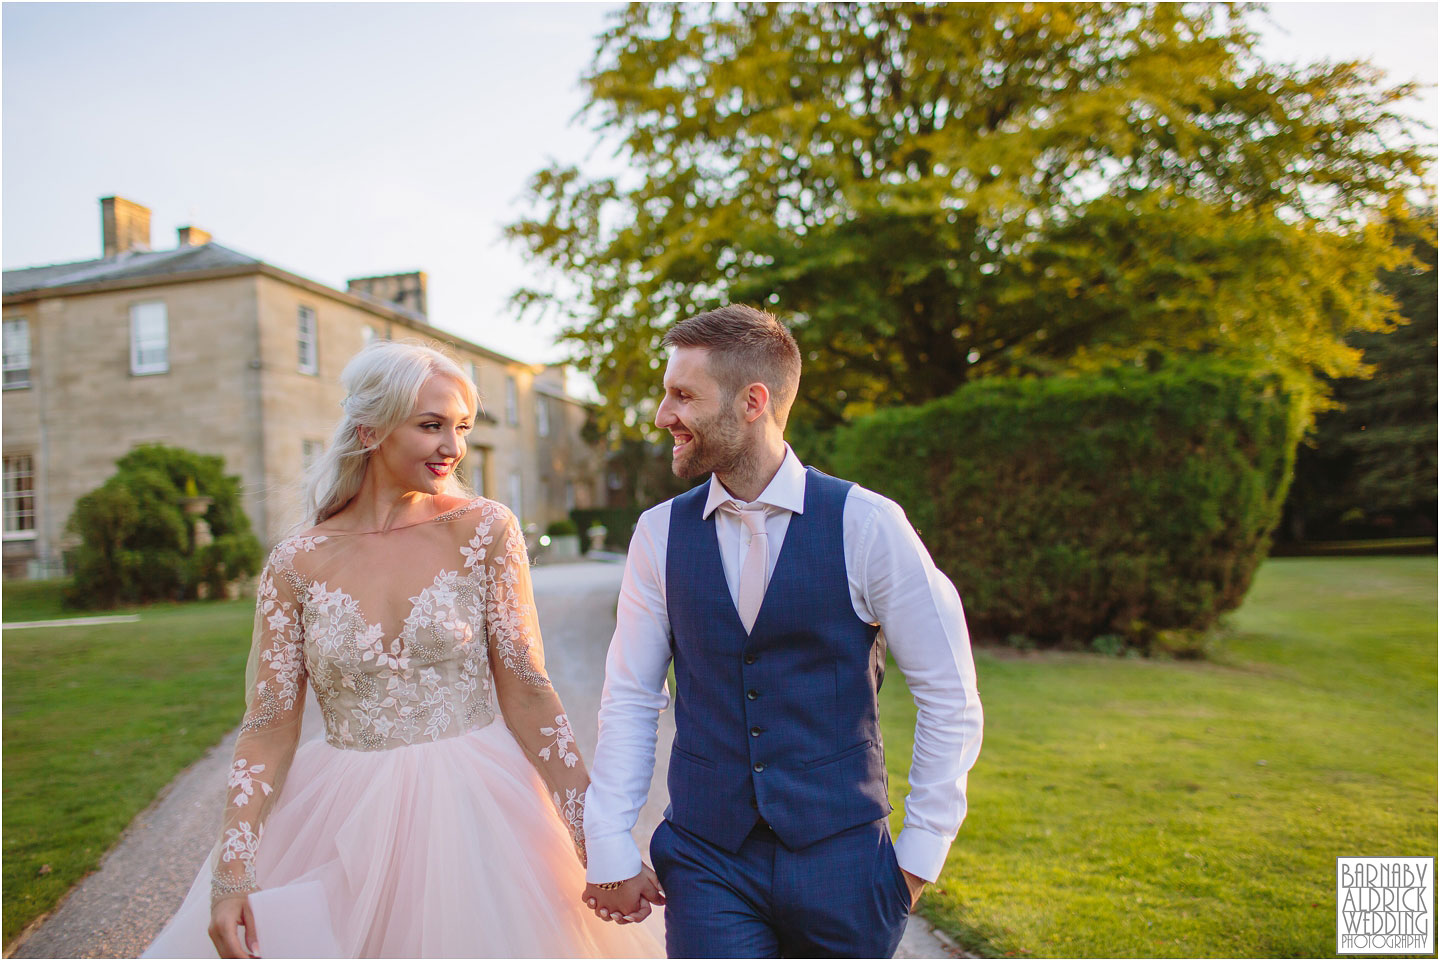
(346, 140)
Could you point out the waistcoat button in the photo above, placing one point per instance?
(749, 658)
(752, 694)
(754, 732)
(758, 767)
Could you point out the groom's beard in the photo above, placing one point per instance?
(717, 446)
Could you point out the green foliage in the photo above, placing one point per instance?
(562, 528)
(225, 560)
(107, 518)
(1111, 645)
(1183, 644)
(1125, 502)
(1369, 468)
(935, 193)
(137, 541)
(619, 524)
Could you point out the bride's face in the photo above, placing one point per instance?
(422, 453)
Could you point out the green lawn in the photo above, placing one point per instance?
(36, 601)
(1126, 807)
(96, 721)
(1119, 807)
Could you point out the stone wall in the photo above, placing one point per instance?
(235, 387)
(84, 408)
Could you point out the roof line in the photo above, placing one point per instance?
(256, 266)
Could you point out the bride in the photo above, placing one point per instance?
(441, 814)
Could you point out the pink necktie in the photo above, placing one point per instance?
(752, 572)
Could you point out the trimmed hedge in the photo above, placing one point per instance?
(1126, 506)
(619, 524)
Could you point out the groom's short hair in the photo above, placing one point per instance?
(746, 345)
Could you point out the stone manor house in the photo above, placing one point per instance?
(206, 348)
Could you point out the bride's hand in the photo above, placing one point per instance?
(628, 903)
(226, 918)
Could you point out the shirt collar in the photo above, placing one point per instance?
(786, 490)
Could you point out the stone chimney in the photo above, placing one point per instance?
(402, 290)
(124, 225)
(193, 237)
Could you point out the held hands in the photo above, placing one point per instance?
(630, 901)
(227, 916)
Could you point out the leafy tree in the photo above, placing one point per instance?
(932, 193)
(138, 541)
(1371, 461)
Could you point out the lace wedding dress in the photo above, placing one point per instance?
(441, 815)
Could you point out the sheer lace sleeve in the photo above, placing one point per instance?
(275, 701)
(531, 708)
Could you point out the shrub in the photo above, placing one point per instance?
(1125, 502)
(1111, 645)
(226, 560)
(619, 524)
(562, 528)
(137, 543)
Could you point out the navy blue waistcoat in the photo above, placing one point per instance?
(781, 723)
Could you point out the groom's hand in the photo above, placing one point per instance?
(630, 901)
(916, 885)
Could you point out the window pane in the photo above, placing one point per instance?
(150, 326)
(149, 338)
(306, 330)
(19, 494)
(17, 352)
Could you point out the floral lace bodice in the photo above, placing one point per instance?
(407, 636)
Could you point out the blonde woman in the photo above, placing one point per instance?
(441, 815)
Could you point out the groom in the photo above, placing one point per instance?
(774, 589)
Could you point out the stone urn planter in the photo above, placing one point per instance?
(196, 508)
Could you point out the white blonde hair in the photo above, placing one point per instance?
(382, 385)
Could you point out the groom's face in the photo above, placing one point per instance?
(703, 418)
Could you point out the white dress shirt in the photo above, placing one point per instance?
(893, 584)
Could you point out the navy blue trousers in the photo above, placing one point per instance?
(842, 897)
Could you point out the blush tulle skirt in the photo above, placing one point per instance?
(437, 850)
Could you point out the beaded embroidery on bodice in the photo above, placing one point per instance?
(458, 653)
(431, 682)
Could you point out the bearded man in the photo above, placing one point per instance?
(774, 589)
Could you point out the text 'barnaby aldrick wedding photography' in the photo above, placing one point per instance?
(1384, 905)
